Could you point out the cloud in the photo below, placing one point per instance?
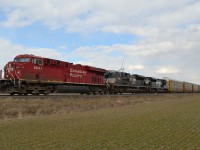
(119, 16)
(136, 67)
(62, 47)
(168, 70)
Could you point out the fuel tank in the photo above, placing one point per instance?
(72, 89)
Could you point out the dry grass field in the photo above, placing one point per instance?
(14, 107)
(137, 122)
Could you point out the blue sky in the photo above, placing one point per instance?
(40, 36)
(158, 38)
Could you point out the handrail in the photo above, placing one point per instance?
(18, 78)
(11, 75)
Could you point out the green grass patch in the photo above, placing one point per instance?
(167, 124)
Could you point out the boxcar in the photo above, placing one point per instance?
(195, 88)
(175, 86)
(187, 87)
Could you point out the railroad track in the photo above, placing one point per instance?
(77, 96)
(71, 95)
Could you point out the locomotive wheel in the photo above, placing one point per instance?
(12, 94)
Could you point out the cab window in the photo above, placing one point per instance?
(24, 60)
(37, 61)
(66, 65)
(109, 75)
(16, 59)
(48, 61)
(58, 63)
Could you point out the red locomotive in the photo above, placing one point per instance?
(29, 74)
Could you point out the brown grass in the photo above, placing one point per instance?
(144, 122)
(24, 107)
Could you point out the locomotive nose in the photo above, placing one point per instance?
(9, 70)
(10, 67)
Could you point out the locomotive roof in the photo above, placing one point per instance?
(95, 69)
(88, 67)
(137, 75)
(28, 55)
(152, 78)
(114, 71)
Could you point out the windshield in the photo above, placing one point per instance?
(22, 60)
(16, 60)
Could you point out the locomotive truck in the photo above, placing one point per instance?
(30, 74)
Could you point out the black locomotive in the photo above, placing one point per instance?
(122, 82)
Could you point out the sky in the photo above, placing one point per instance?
(156, 38)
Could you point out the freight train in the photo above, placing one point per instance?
(30, 74)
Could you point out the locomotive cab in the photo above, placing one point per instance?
(161, 86)
(13, 70)
(23, 67)
(25, 73)
(156, 85)
(115, 77)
